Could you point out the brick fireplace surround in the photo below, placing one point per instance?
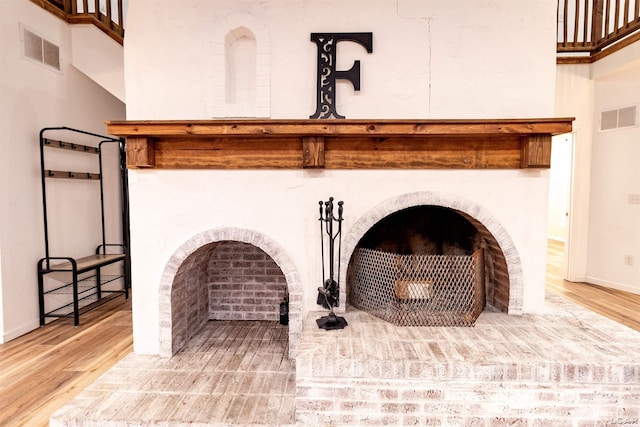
(327, 145)
(561, 365)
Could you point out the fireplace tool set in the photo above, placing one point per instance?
(329, 292)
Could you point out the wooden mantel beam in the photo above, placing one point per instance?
(340, 144)
(347, 127)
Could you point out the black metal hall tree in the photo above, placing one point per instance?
(85, 289)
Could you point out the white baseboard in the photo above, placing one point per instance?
(613, 285)
(8, 336)
(582, 279)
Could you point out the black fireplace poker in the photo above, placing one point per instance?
(329, 292)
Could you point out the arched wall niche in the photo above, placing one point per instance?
(240, 83)
(240, 71)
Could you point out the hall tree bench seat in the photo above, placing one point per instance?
(79, 284)
(81, 289)
(88, 263)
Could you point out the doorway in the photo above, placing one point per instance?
(560, 184)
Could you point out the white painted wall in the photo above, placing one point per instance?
(100, 58)
(604, 227)
(437, 59)
(32, 97)
(614, 226)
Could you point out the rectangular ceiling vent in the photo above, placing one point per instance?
(618, 118)
(40, 49)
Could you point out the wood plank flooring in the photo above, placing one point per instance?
(623, 307)
(42, 370)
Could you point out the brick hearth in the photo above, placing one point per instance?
(567, 366)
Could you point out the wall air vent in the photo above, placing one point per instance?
(618, 118)
(40, 50)
(627, 116)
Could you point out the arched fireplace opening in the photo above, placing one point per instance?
(428, 266)
(224, 280)
(423, 230)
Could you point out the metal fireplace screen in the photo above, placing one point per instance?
(418, 290)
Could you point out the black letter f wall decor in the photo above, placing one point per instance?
(327, 74)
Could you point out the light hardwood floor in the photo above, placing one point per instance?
(41, 371)
(623, 307)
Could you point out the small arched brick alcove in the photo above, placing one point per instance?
(226, 274)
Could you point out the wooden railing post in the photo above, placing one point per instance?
(109, 12)
(596, 22)
(121, 14)
(565, 20)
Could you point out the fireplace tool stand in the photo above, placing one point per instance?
(329, 292)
